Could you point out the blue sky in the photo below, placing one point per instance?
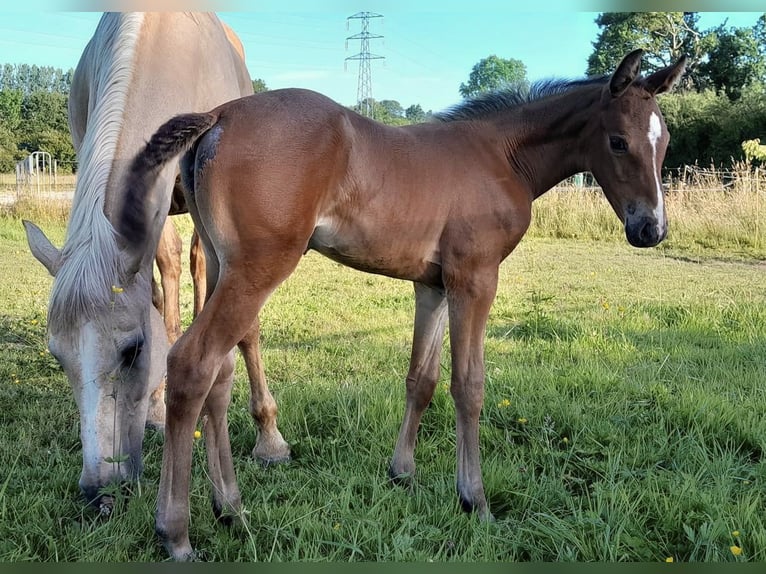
(429, 50)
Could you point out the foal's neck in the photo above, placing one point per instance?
(548, 138)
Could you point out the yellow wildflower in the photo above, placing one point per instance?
(736, 550)
(669, 559)
(504, 404)
(116, 289)
(33, 322)
(605, 305)
(336, 526)
(522, 421)
(735, 534)
(197, 434)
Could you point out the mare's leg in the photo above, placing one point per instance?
(427, 342)
(269, 446)
(157, 300)
(168, 259)
(470, 299)
(197, 267)
(169, 264)
(195, 363)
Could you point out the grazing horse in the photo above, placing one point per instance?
(440, 204)
(137, 71)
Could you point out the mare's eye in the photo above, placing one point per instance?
(618, 144)
(131, 352)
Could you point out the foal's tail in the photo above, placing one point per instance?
(138, 211)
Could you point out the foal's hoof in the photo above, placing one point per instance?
(482, 511)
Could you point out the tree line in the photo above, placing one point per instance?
(720, 103)
(33, 114)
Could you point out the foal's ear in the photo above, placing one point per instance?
(625, 73)
(664, 79)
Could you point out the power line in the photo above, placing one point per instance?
(364, 86)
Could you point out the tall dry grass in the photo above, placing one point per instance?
(707, 210)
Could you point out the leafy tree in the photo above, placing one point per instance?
(259, 86)
(665, 37)
(8, 150)
(493, 73)
(44, 110)
(10, 108)
(707, 128)
(392, 108)
(415, 114)
(734, 61)
(759, 31)
(31, 78)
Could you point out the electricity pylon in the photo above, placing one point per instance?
(364, 86)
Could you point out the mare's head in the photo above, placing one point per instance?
(629, 147)
(111, 343)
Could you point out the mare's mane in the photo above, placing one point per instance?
(90, 256)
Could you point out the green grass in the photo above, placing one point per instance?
(623, 419)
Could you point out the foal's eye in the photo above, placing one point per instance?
(618, 144)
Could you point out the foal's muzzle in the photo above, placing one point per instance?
(645, 231)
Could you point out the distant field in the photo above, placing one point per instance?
(623, 419)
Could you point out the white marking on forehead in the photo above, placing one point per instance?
(654, 133)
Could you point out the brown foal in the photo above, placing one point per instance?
(440, 204)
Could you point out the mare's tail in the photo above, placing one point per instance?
(138, 211)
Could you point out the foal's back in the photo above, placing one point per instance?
(382, 199)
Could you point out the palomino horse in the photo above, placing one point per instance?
(441, 204)
(137, 71)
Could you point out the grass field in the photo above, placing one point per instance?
(623, 420)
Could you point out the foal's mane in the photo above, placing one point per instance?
(91, 261)
(490, 103)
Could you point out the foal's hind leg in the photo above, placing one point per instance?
(200, 368)
(194, 363)
(226, 498)
(269, 446)
(430, 322)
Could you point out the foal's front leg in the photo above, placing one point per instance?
(269, 447)
(427, 342)
(468, 311)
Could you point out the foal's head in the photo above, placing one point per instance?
(630, 146)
